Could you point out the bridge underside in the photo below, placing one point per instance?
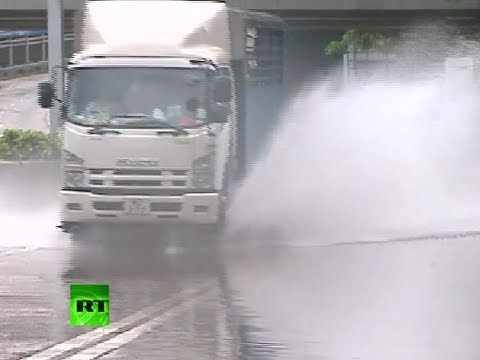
(31, 19)
(296, 19)
(372, 19)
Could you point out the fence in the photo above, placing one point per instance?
(28, 55)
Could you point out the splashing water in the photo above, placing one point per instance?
(374, 160)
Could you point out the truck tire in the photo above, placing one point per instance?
(72, 228)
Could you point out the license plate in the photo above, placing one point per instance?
(137, 207)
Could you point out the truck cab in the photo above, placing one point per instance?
(144, 140)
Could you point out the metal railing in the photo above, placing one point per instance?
(26, 55)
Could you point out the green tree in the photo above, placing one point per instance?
(357, 40)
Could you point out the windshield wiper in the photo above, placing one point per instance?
(131, 116)
(101, 131)
(149, 120)
(179, 130)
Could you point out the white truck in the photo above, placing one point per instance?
(167, 105)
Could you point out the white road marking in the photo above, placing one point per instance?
(13, 312)
(123, 339)
(93, 337)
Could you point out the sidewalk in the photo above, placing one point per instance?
(18, 71)
(18, 104)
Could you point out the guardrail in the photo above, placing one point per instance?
(28, 55)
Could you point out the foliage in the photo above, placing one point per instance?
(29, 145)
(359, 40)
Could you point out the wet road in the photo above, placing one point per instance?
(392, 300)
(187, 296)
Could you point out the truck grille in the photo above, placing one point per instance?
(149, 172)
(173, 207)
(137, 183)
(131, 179)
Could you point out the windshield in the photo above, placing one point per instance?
(133, 97)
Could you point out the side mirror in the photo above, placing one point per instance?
(218, 113)
(222, 89)
(46, 94)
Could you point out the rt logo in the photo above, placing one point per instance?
(89, 305)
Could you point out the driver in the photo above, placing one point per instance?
(135, 100)
(188, 118)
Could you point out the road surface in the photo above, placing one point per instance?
(186, 296)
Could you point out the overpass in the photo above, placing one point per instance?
(289, 4)
(298, 14)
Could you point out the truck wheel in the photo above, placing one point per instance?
(71, 227)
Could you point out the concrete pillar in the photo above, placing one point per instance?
(56, 57)
(77, 29)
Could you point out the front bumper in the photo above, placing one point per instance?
(196, 208)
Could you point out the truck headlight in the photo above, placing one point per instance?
(203, 172)
(74, 174)
(74, 178)
(72, 160)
